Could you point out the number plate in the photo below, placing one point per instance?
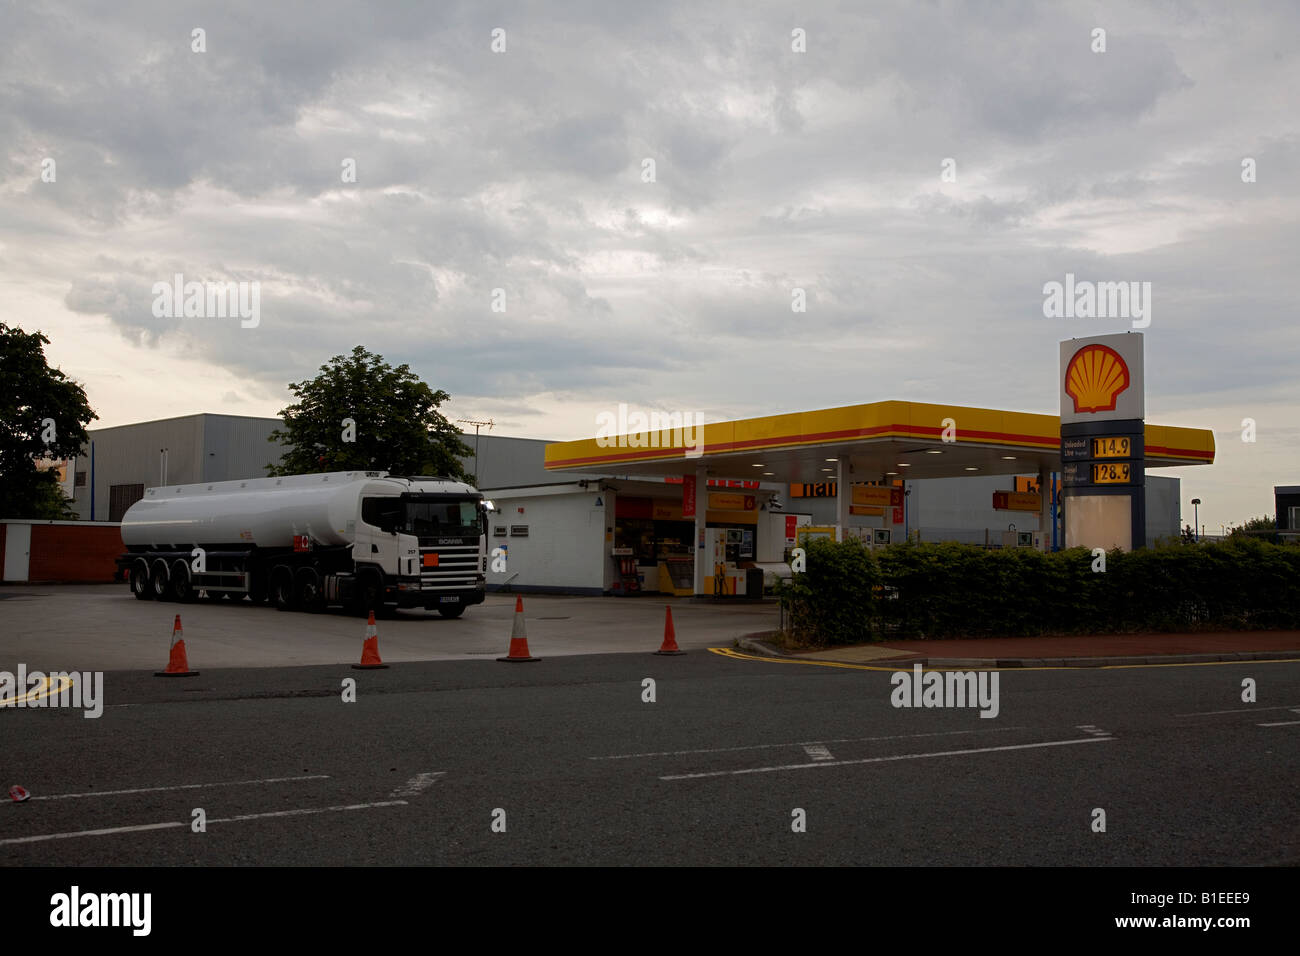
(450, 600)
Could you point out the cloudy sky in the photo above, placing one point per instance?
(774, 169)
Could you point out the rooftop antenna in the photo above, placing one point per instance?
(477, 425)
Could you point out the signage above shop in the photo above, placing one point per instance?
(1017, 501)
(721, 501)
(719, 483)
(876, 495)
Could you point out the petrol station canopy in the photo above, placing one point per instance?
(877, 441)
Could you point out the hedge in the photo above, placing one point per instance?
(850, 594)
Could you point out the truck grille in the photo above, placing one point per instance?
(456, 570)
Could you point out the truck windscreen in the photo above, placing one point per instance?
(430, 519)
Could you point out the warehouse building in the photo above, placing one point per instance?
(119, 463)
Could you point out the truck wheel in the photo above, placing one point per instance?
(182, 584)
(159, 583)
(282, 589)
(369, 594)
(449, 611)
(308, 590)
(140, 581)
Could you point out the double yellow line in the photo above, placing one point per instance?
(905, 664)
(46, 689)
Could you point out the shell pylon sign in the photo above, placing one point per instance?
(1103, 474)
(1095, 377)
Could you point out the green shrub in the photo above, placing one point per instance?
(831, 602)
(850, 594)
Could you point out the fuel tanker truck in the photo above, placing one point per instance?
(365, 540)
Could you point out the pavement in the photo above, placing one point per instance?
(1102, 650)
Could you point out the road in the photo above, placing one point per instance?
(711, 772)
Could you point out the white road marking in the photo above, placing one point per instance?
(1239, 710)
(183, 786)
(845, 763)
(87, 833)
(818, 751)
(1285, 723)
(308, 810)
(171, 826)
(838, 740)
(1091, 729)
(413, 787)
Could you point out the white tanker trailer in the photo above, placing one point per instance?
(360, 539)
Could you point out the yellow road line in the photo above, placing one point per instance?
(906, 665)
(47, 689)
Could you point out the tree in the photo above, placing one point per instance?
(361, 414)
(1259, 524)
(43, 414)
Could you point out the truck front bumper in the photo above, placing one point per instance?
(414, 596)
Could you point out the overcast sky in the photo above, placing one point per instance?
(523, 170)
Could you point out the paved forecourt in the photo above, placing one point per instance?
(102, 627)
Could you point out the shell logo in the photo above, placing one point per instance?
(1095, 377)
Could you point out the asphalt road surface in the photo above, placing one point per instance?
(574, 767)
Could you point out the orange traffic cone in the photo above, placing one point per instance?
(669, 647)
(177, 665)
(370, 648)
(518, 639)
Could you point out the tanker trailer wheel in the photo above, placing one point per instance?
(140, 581)
(182, 584)
(309, 590)
(282, 593)
(159, 583)
(369, 594)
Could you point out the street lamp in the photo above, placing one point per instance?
(1196, 518)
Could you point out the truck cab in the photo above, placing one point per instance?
(428, 542)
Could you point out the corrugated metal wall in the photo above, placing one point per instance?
(515, 463)
(200, 448)
(129, 454)
(237, 447)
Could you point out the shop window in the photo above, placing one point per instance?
(637, 534)
(673, 539)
